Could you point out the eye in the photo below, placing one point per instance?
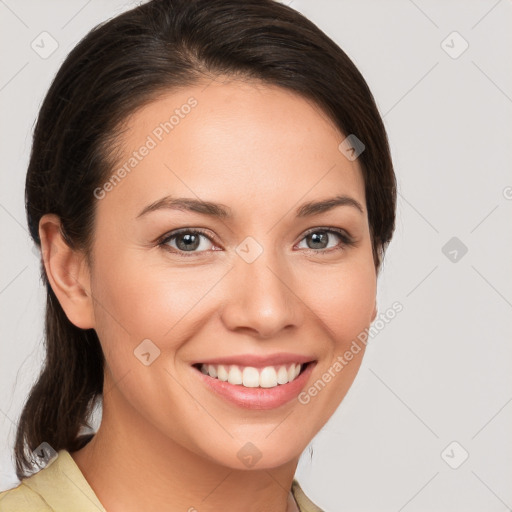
(318, 239)
(186, 241)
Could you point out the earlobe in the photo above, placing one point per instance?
(67, 272)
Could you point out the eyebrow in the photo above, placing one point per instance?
(224, 212)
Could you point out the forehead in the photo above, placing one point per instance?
(231, 140)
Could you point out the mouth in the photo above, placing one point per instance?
(254, 377)
(255, 387)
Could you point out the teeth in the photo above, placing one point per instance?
(234, 375)
(222, 373)
(268, 377)
(282, 375)
(212, 370)
(250, 377)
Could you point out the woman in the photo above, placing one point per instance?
(212, 191)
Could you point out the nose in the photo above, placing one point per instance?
(263, 299)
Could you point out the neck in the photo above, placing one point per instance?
(132, 466)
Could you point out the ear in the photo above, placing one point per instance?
(67, 272)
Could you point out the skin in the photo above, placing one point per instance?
(167, 442)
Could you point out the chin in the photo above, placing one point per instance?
(258, 452)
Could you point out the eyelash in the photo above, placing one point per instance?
(346, 240)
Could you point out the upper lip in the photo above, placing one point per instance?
(259, 361)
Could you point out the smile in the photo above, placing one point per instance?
(251, 377)
(251, 387)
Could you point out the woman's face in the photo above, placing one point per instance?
(267, 282)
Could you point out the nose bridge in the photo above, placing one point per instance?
(263, 299)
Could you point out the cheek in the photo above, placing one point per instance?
(137, 301)
(344, 303)
(343, 298)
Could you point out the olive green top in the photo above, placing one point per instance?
(61, 487)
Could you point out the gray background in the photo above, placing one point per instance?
(441, 370)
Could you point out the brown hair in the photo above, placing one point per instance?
(123, 64)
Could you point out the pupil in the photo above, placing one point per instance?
(191, 241)
(318, 238)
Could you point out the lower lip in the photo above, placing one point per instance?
(258, 398)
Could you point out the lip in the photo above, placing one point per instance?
(257, 398)
(259, 361)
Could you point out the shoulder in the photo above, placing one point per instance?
(22, 499)
(303, 502)
(52, 489)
